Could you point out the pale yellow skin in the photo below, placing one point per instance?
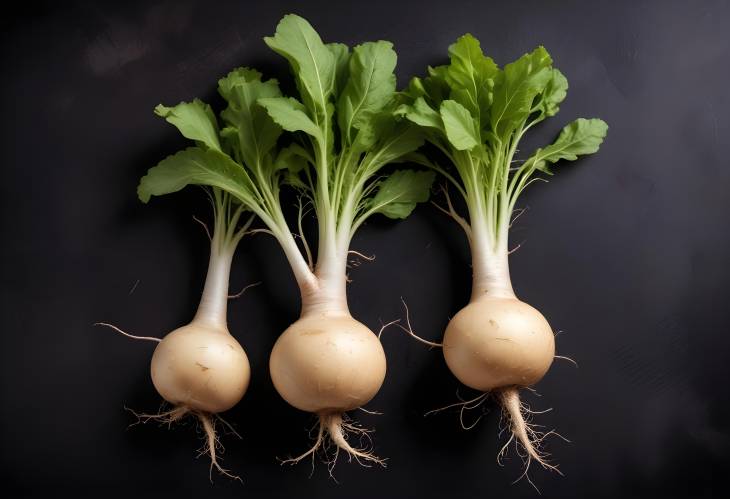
(498, 342)
(201, 367)
(327, 364)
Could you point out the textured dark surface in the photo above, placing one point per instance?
(626, 252)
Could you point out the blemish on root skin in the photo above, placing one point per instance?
(202, 367)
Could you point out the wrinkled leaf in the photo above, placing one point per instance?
(195, 120)
(554, 94)
(290, 114)
(255, 132)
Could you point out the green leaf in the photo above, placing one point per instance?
(461, 128)
(250, 129)
(370, 87)
(398, 194)
(554, 94)
(312, 62)
(423, 115)
(577, 138)
(293, 158)
(195, 166)
(517, 88)
(341, 53)
(471, 77)
(290, 114)
(195, 120)
(402, 139)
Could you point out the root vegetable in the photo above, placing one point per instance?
(199, 368)
(476, 114)
(343, 133)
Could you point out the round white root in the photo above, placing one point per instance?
(332, 428)
(527, 438)
(212, 445)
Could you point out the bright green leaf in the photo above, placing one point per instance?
(424, 115)
(370, 87)
(255, 132)
(554, 94)
(290, 114)
(471, 77)
(341, 53)
(577, 138)
(402, 139)
(195, 166)
(460, 126)
(312, 62)
(195, 120)
(520, 82)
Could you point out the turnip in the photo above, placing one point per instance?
(199, 368)
(343, 132)
(476, 114)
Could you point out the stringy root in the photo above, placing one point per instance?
(528, 440)
(212, 446)
(333, 429)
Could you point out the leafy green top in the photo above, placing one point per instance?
(476, 114)
(344, 132)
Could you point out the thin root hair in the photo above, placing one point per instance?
(464, 405)
(450, 211)
(383, 327)
(212, 446)
(374, 413)
(563, 357)
(240, 293)
(115, 328)
(517, 214)
(205, 227)
(408, 329)
(333, 429)
(528, 441)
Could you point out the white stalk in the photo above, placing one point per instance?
(490, 256)
(214, 301)
(330, 295)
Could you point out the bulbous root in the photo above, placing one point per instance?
(527, 438)
(212, 445)
(332, 428)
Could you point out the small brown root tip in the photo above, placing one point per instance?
(524, 434)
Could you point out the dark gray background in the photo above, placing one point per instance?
(626, 252)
